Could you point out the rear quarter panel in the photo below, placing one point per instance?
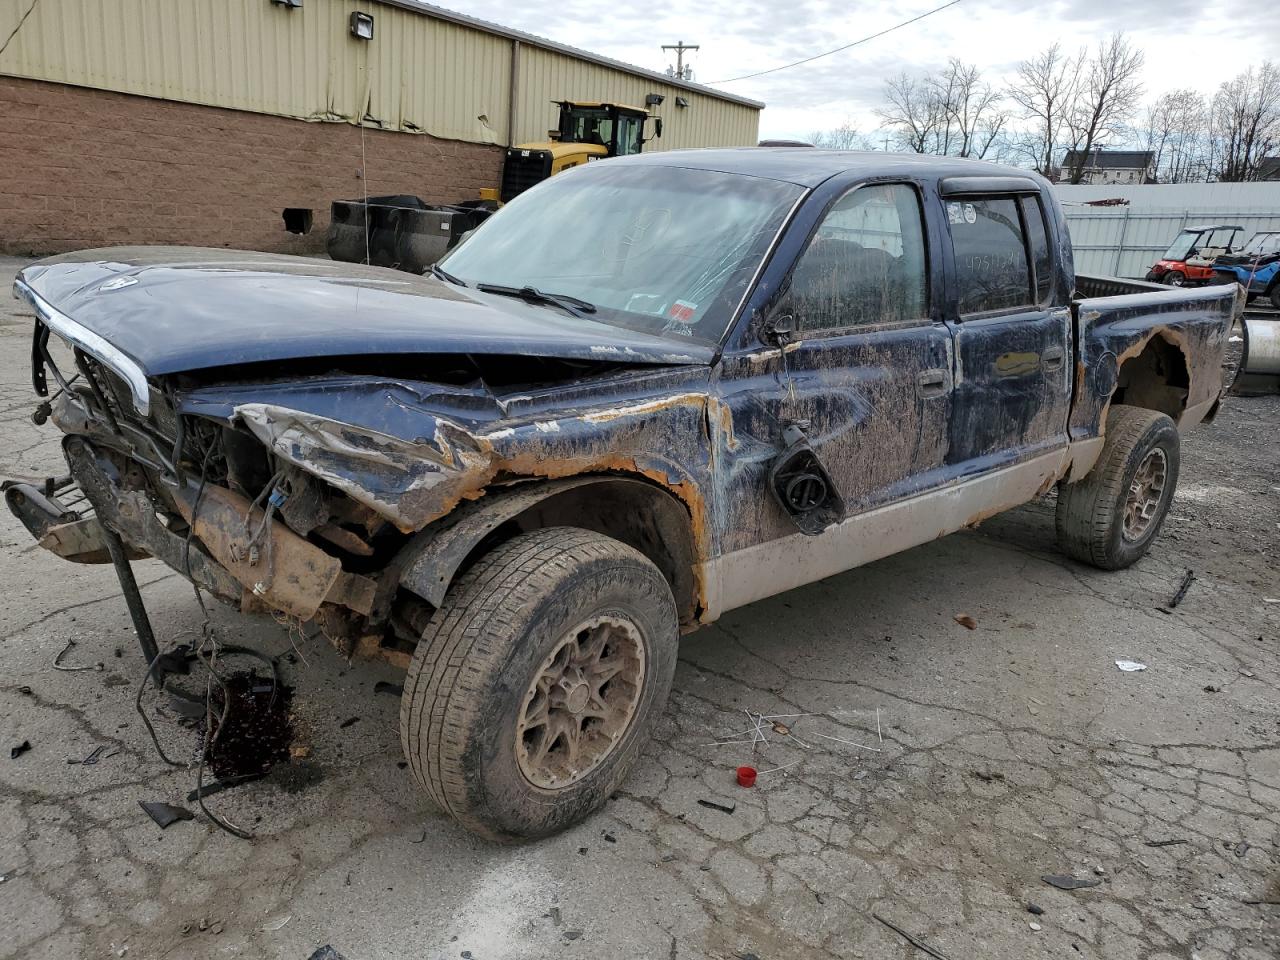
(1116, 321)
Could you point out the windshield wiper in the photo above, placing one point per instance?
(533, 295)
(443, 274)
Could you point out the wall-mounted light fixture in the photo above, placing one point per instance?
(681, 102)
(653, 99)
(362, 25)
(288, 4)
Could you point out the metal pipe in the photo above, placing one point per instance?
(132, 595)
(1262, 346)
(513, 93)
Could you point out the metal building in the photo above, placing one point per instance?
(201, 121)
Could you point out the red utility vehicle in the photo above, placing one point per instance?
(1189, 259)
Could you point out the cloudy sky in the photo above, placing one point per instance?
(1187, 44)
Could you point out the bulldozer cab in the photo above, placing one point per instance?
(617, 128)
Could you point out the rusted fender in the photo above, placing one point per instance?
(413, 482)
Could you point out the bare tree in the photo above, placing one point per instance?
(914, 114)
(1176, 131)
(843, 137)
(971, 108)
(1246, 119)
(1045, 92)
(1107, 97)
(953, 113)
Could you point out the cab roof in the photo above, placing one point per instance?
(600, 103)
(808, 167)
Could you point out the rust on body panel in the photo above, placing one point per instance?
(276, 564)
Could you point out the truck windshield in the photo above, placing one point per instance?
(660, 249)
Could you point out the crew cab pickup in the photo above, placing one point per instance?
(647, 391)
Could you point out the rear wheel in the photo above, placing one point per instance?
(1275, 295)
(536, 684)
(1110, 517)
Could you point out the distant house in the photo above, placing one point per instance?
(1269, 168)
(1112, 166)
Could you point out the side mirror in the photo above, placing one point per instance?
(657, 126)
(779, 328)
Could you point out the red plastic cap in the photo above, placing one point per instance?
(746, 776)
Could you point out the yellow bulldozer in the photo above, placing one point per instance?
(407, 233)
(587, 131)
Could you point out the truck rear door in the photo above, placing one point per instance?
(1013, 371)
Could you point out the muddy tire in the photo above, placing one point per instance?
(536, 684)
(1111, 516)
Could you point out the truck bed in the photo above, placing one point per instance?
(1131, 334)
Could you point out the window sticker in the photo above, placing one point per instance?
(682, 311)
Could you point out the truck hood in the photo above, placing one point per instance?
(181, 309)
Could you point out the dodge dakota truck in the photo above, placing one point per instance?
(646, 392)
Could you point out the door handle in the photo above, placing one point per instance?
(933, 383)
(1052, 358)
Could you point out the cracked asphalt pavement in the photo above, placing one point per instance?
(1003, 753)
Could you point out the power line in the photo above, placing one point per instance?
(819, 56)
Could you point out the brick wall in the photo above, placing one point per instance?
(88, 168)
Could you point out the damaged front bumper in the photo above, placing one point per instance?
(284, 572)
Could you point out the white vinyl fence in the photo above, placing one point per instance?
(1124, 241)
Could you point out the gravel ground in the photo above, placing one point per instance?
(1004, 753)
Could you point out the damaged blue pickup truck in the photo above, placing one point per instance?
(646, 392)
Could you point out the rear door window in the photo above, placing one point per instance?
(1038, 240)
(992, 269)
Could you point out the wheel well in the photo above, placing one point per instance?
(1157, 379)
(635, 512)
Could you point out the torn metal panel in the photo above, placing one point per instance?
(406, 481)
(414, 481)
(1183, 333)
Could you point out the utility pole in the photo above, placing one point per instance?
(680, 47)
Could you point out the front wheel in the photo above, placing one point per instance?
(1175, 278)
(1275, 295)
(536, 684)
(1110, 517)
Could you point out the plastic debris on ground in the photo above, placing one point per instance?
(165, 814)
(1066, 882)
(1130, 666)
(782, 727)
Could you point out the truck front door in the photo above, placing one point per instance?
(865, 372)
(1013, 370)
